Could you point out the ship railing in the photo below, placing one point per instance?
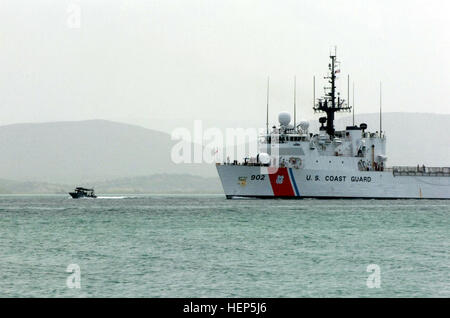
(238, 163)
(420, 171)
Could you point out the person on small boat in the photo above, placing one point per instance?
(81, 192)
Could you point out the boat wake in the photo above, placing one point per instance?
(112, 198)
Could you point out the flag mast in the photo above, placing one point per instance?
(295, 101)
(353, 108)
(381, 119)
(267, 107)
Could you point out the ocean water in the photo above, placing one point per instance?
(206, 246)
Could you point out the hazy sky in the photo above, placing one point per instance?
(162, 64)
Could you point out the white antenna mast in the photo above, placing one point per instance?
(348, 90)
(295, 101)
(353, 108)
(267, 110)
(314, 91)
(381, 119)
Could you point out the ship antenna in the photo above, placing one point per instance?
(314, 91)
(295, 101)
(381, 118)
(348, 90)
(353, 108)
(267, 109)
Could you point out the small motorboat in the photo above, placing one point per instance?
(80, 192)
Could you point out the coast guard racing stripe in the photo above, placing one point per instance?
(294, 184)
(281, 183)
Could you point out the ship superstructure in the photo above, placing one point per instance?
(296, 163)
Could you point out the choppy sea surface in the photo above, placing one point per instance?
(207, 246)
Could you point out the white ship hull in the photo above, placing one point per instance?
(291, 183)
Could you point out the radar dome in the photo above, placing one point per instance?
(304, 125)
(264, 158)
(284, 118)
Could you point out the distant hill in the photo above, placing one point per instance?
(26, 187)
(161, 183)
(98, 151)
(157, 183)
(84, 151)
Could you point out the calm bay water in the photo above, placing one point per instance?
(206, 246)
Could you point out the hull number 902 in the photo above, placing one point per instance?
(258, 177)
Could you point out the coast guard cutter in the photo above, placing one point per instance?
(296, 163)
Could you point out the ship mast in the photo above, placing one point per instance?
(331, 104)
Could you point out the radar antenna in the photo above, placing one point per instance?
(331, 104)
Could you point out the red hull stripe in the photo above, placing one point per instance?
(281, 183)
